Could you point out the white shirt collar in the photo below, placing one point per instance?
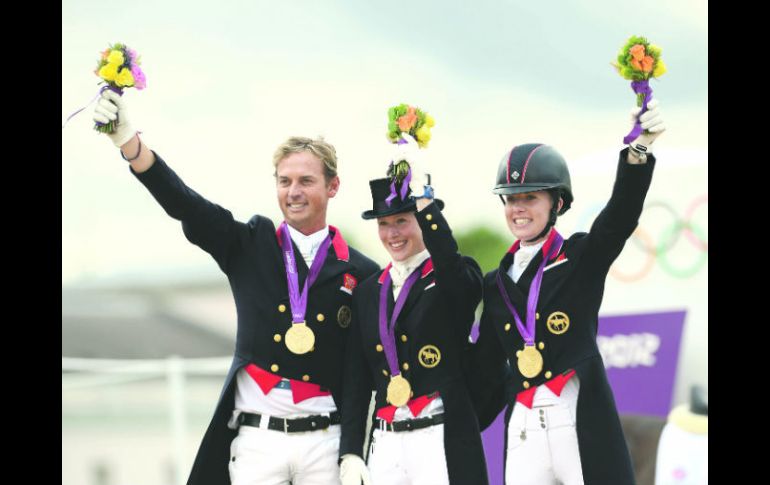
(521, 259)
(400, 270)
(308, 245)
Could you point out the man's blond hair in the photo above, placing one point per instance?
(318, 147)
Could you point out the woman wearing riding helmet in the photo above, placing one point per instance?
(537, 350)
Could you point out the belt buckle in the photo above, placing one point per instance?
(285, 425)
(324, 422)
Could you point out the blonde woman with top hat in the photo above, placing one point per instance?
(408, 342)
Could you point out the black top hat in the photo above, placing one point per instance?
(381, 190)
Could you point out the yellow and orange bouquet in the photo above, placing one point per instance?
(639, 61)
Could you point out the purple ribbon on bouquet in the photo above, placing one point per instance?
(639, 87)
(404, 183)
(104, 88)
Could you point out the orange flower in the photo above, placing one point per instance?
(647, 63)
(406, 122)
(637, 52)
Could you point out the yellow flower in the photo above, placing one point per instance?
(109, 72)
(125, 78)
(423, 135)
(660, 69)
(429, 121)
(115, 57)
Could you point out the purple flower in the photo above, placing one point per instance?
(131, 54)
(140, 82)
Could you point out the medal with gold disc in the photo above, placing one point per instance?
(300, 338)
(399, 391)
(529, 361)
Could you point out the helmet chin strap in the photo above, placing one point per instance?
(551, 217)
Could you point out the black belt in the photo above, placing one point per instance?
(410, 424)
(299, 425)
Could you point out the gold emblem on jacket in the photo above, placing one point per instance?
(558, 323)
(429, 356)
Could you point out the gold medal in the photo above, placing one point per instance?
(300, 338)
(399, 391)
(530, 361)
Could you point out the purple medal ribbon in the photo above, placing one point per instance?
(404, 183)
(388, 332)
(528, 332)
(639, 87)
(297, 300)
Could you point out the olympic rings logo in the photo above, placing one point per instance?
(660, 251)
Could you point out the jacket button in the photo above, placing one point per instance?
(507, 326)
(541, 345)
(306, 378)
(548, 375)
(434, 226)
(384, 372)
(537, 316)
(379, 348)
(281, 308)
(274, 367)
(526, 385)
(429, 217)
(403, 338)
(277, 337)
(320, 317)
(405, 366)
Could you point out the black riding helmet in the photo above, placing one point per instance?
(533, 167)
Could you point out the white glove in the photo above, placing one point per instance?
(353, 471)
(411, 152)
(107, 109)
(651, 121)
